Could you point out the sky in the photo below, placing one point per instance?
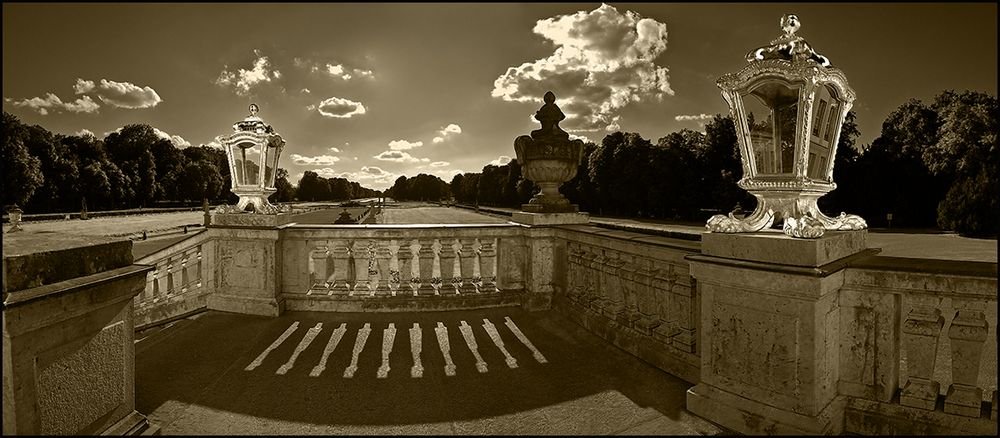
(373, 91)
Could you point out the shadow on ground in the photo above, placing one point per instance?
(201, 361)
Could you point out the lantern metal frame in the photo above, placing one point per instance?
(250, 133)
(789, 197)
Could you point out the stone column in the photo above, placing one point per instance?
(769, 332)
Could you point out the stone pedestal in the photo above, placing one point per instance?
(770, 331)
(248, 263)
(68, 355)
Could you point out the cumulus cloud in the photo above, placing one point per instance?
(695, 118)
(177, 140)
(501, 160)
(335, 150)
(319, 160)
(446, 131)
(51, 102)
(399, 157)
(580, 137)
(84, 133)
(367, 174)
(306, 91)
(119, 94)
(402, 145)
(439, 164)
(603, 60)
(243, 80)
(340, 108)
(336, 70)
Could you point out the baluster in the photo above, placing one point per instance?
(415, 266)
(184, 271)
(477, 278)
(393, 267)
(968, 333)
(456, 268)
(170, 278)
(490, 257)
(152, 286)
(436, 267)
(373, 271)
(199, 266)
(360, 265)
(921, 331)
(317, 267)
(343, 264)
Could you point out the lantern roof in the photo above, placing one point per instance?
(253, 123)
(789, 47)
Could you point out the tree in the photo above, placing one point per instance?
(131, 148)
(286, 191)
(200, 180)
(313, 188)
(21, 171)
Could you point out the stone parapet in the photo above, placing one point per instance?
(68, 355)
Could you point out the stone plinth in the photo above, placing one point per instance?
(248, 270)
(68, 355)
(770, 332)
(773, 246)
(542, 219)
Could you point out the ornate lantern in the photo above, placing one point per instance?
(549, 158)
(252, 150)
(788, 105)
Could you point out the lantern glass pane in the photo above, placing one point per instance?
(247, 164)
(825, 120)
(772, 111)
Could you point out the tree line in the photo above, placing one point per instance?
(313, 187)
(131, 167)
(933, 165)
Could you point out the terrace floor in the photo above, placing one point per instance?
(222, 373)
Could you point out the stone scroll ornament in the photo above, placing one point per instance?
(549, 158)
(789, 197)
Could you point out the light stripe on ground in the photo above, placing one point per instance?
(359, 344)
(524, 340)
(470, 340)
(330, 346)
(495, 336)
(415, 349)
(442, 334)
(388, 337)
(303, 344)
(260, 359)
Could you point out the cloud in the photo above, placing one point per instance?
(119, 94)
(580, 137)
(243, 80)
(84, 133)
(448, 173)
(603, 60)
(697, 118)
(336, 70)
(335, 150)
(213, 144)
(399, 157)
(367, 174)
(402, 145)
(501, 160)
(340, 108)
(177, 140)
(319, 160)
(306, 91)
(439, 164)
(51, 102)
(446, 131)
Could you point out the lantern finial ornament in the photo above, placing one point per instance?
(788, 105)
(252, 150)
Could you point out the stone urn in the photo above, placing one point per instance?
(548, 158)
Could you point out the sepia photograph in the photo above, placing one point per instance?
(499, 218)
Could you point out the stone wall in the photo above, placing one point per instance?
(180, 283)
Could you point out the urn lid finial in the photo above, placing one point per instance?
(549, 115)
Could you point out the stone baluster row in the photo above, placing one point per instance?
(176, 274)
(636, 292)
(922, 331)
(372, 267)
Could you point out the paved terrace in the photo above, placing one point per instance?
(221, 373)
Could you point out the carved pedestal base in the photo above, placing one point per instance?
(798, 211)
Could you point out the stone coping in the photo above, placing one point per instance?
(21, 297)
(927, 266)
(35, 259)
(820, 271)
(298, 226)
(641, 238)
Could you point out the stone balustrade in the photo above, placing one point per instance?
(635, 291)
(180, 282)
(336, 267)
(918, 350)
